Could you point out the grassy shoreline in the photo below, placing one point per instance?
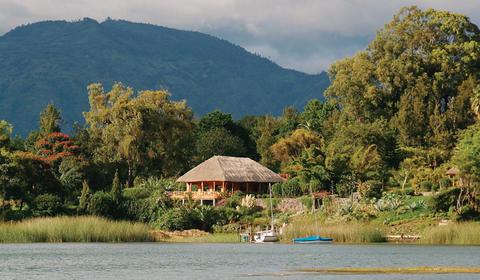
(467, 233)
(73, 229)
(97, 229)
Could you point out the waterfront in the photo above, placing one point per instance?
(223, 261)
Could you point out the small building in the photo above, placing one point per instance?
(453, 173)
(221, 175)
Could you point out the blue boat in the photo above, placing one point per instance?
(314, 239)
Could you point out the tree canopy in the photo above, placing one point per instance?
(146, 131)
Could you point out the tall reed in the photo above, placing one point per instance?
(467, 233)
(341, 233)
(210, 238)
(72, 229)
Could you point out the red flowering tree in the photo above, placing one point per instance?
(54, 147)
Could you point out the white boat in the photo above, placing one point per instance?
(265, 236)
(268, 235)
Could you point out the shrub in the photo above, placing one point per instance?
(426, 186)
(101, 204)
(177, 219)
(228, 228)
(307, 202)
(390, 201)
(144, 205)
(370, 189)
(47, 205)
(137, 192)
(248, 201)
(344, 188)
(235, 200)
(144, 210)
(445, 183)
(407, 191)
(205, 217)
(277, 189)
(442, 201)
(314, 185)
(290, 188)
(154, 183)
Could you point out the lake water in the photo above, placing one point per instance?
(222, 261)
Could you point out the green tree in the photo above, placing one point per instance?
(289, 121)
(466, 158)
(314, 116)
(266, 138)
(310, 168)
(50, 120)
(72, 173)
(84, 198)
(5, 134)
(290, 148)
(116, 188)
(414, 74)
(11, 185)
(219, 141)
(142, 132)
(215, 119)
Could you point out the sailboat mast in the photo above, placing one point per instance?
(271, 202)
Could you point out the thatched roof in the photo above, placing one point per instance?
(453, 171)
(230, 169)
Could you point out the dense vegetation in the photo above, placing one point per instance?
(54, 61)
(397, 116)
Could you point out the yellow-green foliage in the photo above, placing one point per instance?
(344, 233)
(457, 233)
(73, 229)
(210, 238)
(392, 270)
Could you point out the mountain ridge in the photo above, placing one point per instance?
(54, 61)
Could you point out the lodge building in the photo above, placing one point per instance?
(221, 175)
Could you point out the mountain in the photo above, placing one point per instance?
(54, 61)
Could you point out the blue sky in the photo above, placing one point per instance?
(307, 35)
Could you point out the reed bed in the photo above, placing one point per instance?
(210, 238)
(393, 270)
(467, 233)
(73, 229)
(341, 233)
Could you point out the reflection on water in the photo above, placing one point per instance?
(222, 261)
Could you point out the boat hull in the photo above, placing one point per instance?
(266, 237)
(312, 240)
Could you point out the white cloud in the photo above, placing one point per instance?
(280, 29)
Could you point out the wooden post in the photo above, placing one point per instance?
(223, 186)
(202, 186)
(213, 186)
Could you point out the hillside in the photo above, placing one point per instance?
(54, 61)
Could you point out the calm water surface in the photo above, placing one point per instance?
(221, 261)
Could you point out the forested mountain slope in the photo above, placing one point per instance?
(54, 61)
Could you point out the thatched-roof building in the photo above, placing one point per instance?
(221, 174)
(454, 171)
